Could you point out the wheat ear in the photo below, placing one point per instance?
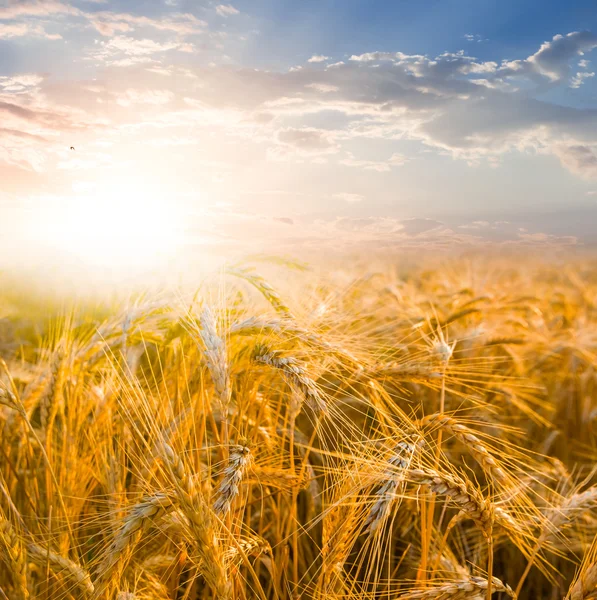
(199, 520)
(257, 325)
(248, 546)
(49, 403)
(265, 288)
(63, 567)
(585, 586)
(238, 463)
(15, 557)
(461, 492)
(572, 507)
(118, 553)
(294, 373)
(387, 493)
(469, 589)
(215, 353)
(464, 435)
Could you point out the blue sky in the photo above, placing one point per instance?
(343, 118)
(510, 28)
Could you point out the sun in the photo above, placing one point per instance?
(121, 224)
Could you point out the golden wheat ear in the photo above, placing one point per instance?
(584, 585)
(468, 589)
(118, 553)
(15, 558)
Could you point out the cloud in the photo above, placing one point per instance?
(351, 198)
(156, 97)
(361, 234)
(578, 159)
(474, 37)
(126, 51)
(318, 58)
(453, 103)
(415, 227)
(441, 102)
(14, 30)
(226, 10)
(324, 88)
(36, 8)
(107, 23)
(579, 79)
(553, 57)
(357, 121)
(19, 84)
(306, 141)
(110, 23)
(383, 166)
(18, 111)
(552, 60)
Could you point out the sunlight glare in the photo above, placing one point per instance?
(119, 225)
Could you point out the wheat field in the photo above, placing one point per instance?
(421, 431)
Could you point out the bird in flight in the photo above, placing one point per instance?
(72, 147)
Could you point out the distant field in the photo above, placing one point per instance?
(404, 430)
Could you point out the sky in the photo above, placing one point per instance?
(343, 122)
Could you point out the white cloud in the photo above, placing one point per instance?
(441, 102)
(579, 79)
(453, 103)
(324, 88)
(578, 159)
(474, 37)
(125, 51)
(383, 166)
(35, 8)
(305, 142)
(552, 60)
(110, 23)
(349, 197)
(323, 124)
(19, 84)
(317, 58)
(155, 97)
(226, 10)
(13, 30)
(375, 56)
